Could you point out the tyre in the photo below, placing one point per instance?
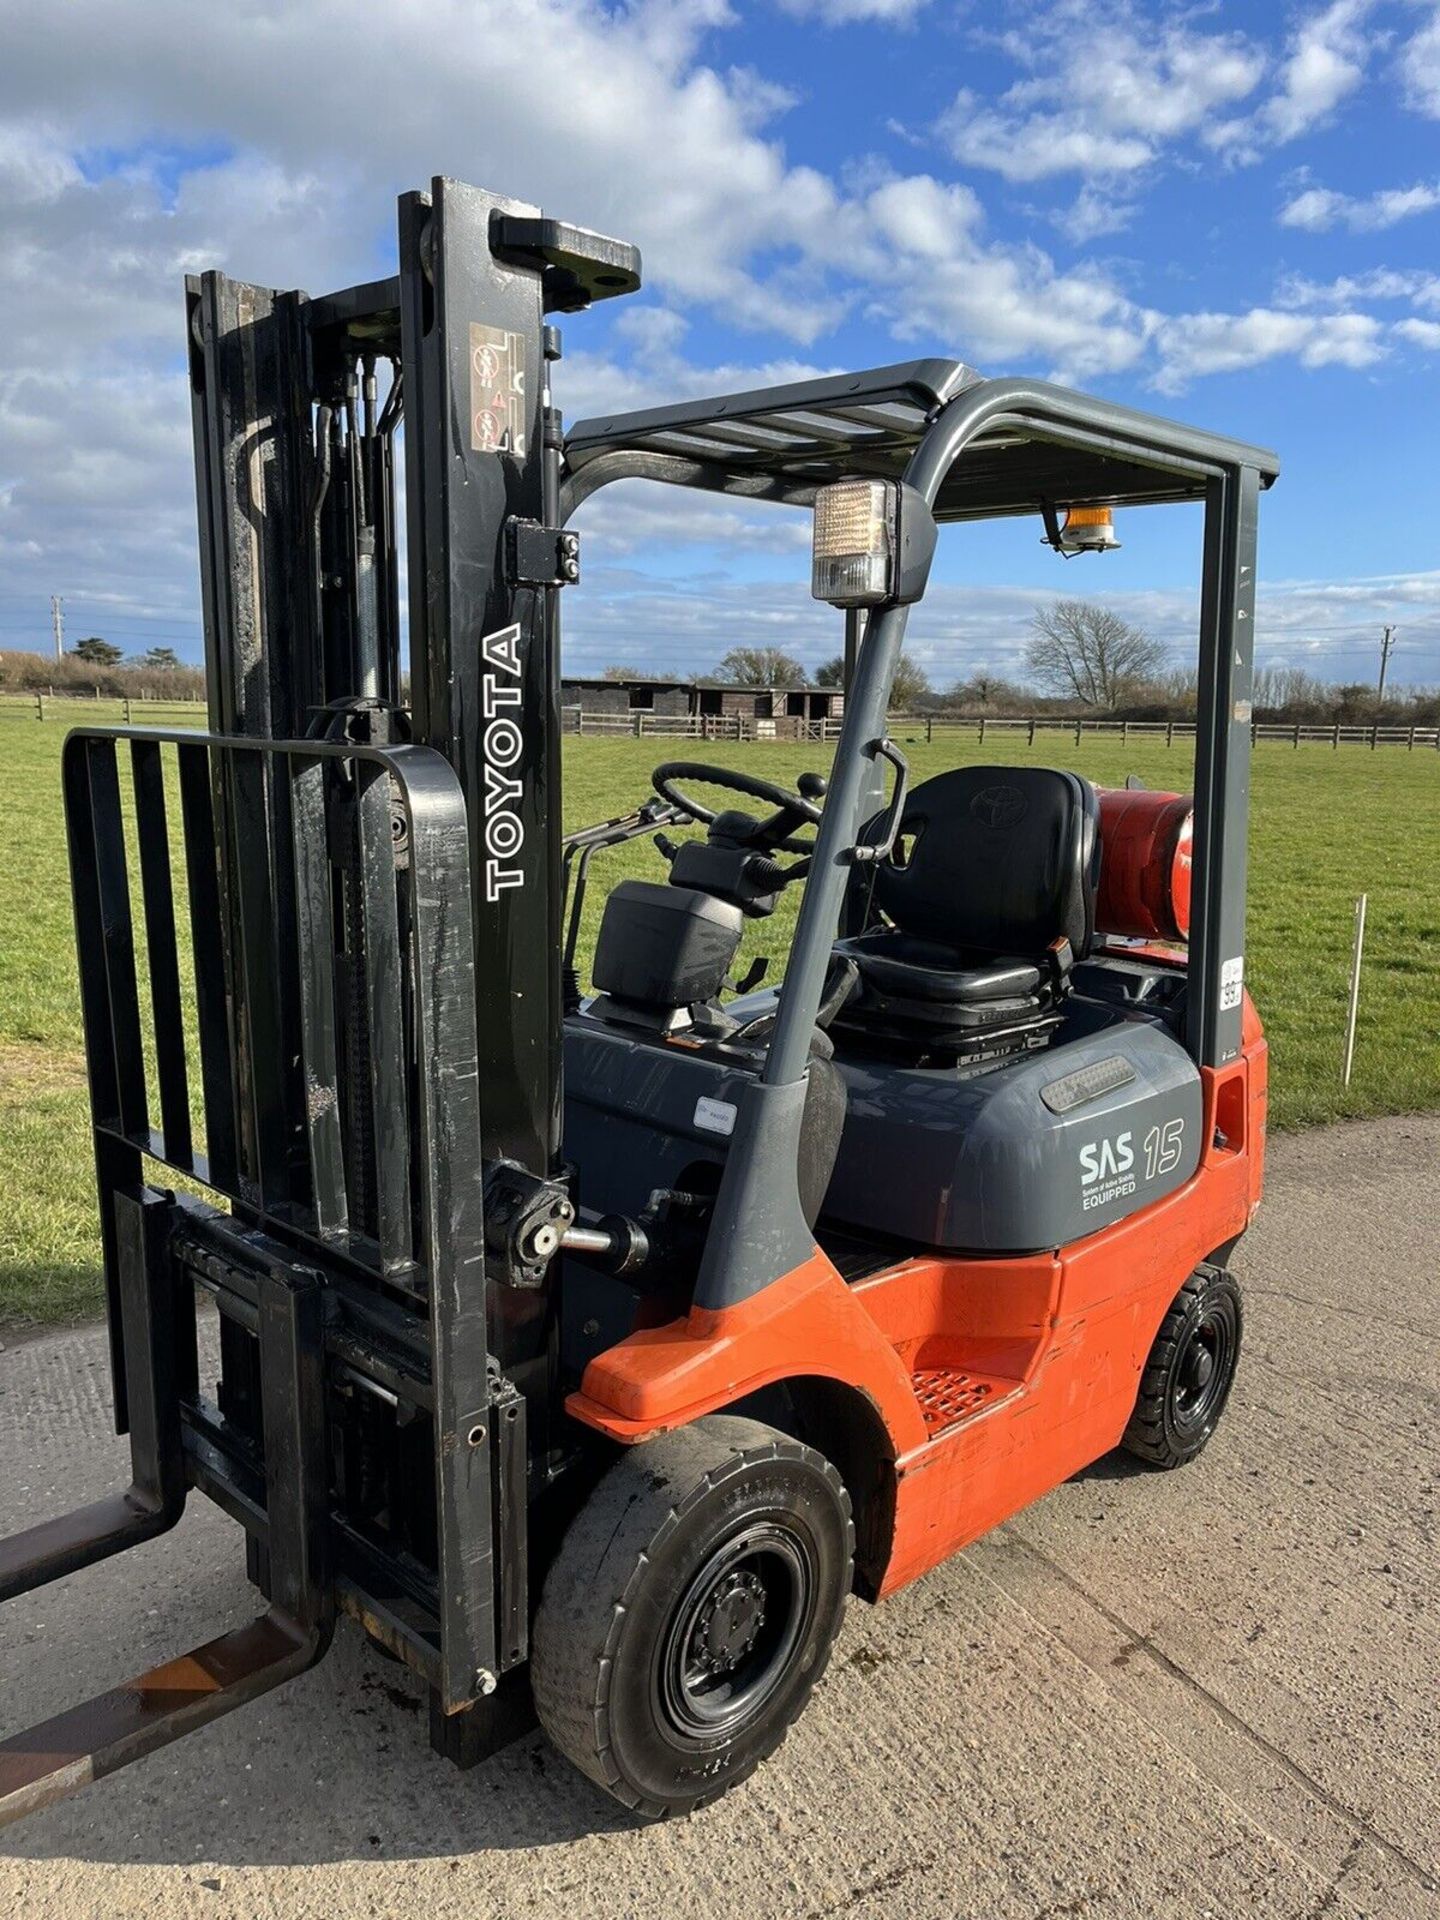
(690, 1611)
(1189, 1372)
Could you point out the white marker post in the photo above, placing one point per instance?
(1356, 958)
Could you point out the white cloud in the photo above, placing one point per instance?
(960, 629)
(97, 496)
(244, 149)
(243, 146)
(1096, 210)
(1421, 290)
(1202, 343)
(1317, 209)
(1377, 283)
(843, 13)
(1107, 86)
(918, 250)
(1325, 61)
(1003, 303)
(622, 122)
(623, 126)
(35, 164)
(1033, 146)
(646, 364)
(1420, 68)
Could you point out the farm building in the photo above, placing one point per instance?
(601, 695)
(768, 703)
(751, 711)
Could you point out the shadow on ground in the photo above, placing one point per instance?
(335, 1767)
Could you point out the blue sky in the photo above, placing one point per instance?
(1229, 213)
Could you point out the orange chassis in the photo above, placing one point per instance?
(995, 1379)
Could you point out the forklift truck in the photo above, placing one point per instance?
(590, 1350)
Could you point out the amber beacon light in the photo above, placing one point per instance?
(1088, 530)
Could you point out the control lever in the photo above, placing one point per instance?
(840, 983)
(865, 852)
(754, 974)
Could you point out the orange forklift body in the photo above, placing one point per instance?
(995, 1380)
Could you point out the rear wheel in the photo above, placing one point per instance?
(1189, 1372)
(691, 1610)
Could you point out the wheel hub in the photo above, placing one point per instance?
(1200, 1371)
(729, 1622)
(736, 1632)
(1199, 1368)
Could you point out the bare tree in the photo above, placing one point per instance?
(1291, 691)
(985, 692)
(1179, 689)
(1083, 650)
(760, 667)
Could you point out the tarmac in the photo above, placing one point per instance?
(1207, 1694)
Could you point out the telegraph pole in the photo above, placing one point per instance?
(57, 621)
(1385, 645)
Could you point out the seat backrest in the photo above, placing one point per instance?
(1005, 859)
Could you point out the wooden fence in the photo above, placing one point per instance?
(106, 709)
(642, 725)
(1290, 735)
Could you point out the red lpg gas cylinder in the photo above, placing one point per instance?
(1145, 855)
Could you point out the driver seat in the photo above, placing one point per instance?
(989, 893)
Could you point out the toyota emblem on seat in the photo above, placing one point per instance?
(999, 806)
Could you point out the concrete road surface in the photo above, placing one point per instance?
(1211, 1693)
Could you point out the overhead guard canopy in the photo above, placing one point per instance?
(1055, 447)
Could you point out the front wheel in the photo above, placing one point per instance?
(1189, 1371)
(690, 1611)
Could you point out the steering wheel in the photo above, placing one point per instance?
(792, 808)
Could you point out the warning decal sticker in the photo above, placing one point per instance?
(497, 390)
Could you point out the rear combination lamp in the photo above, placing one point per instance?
(873, 543)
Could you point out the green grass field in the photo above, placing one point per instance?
(1326, 826)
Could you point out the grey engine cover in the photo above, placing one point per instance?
(1036, 1153)
(630, 1114)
